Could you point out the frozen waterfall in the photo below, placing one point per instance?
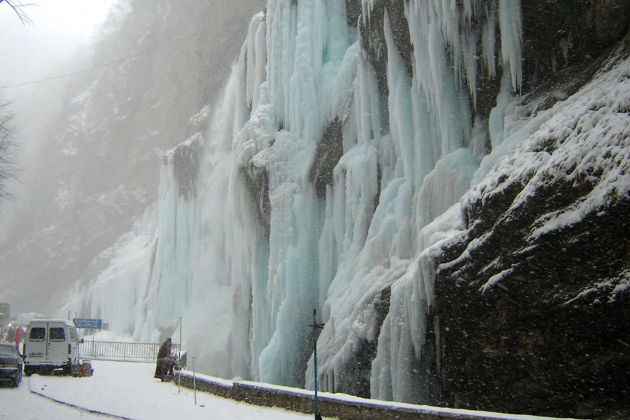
(312, 188)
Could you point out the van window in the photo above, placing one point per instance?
(37, 334)
(57, 334)
(73, 334)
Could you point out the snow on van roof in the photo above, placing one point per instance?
(65, 321)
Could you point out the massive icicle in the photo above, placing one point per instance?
(246, 247)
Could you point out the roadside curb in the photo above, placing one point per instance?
(344, 407)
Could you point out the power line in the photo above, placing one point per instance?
(62, 76)
(111, 63)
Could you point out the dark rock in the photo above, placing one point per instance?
(329, 151)
(353, 11)
(185, 161)
(561, 34)
(525, 346)
(565, 43)
(257, 181)
(355, 378)
(373, 38)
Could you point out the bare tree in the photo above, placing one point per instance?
(7, 145)
(7, 150)
(18, 8)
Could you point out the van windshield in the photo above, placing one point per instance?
(37, 334)
(57, 334)
(74, 336)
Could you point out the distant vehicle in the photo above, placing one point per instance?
(10, 364)
(50, 344)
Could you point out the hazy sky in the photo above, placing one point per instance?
(32, 57)
(55, 30)
(33, 54)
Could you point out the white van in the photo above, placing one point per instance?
(50, 344)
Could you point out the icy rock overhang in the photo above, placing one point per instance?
(183, 161)
(540, 275)
(482, 38)
(568, 35)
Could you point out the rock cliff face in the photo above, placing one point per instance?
(568, 34)
(532, 303)
(537, 320)
(532, 308)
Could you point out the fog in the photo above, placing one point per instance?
(50, 35)
(99, 91)
(39, 50)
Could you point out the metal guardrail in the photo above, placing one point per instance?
(115, 350)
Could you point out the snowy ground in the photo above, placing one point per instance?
(127, 390)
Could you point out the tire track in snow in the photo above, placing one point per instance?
(78, 407)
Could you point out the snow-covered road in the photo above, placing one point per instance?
(123, 389)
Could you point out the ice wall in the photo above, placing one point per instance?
(247, 252)
(434, 155)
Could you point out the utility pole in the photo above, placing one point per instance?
(179, 352)
(194, 380)
(179, 357)
(316, 328)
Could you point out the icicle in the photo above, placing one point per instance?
(457, 33)
(255, 57)
(510, 22)
(489, 44)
